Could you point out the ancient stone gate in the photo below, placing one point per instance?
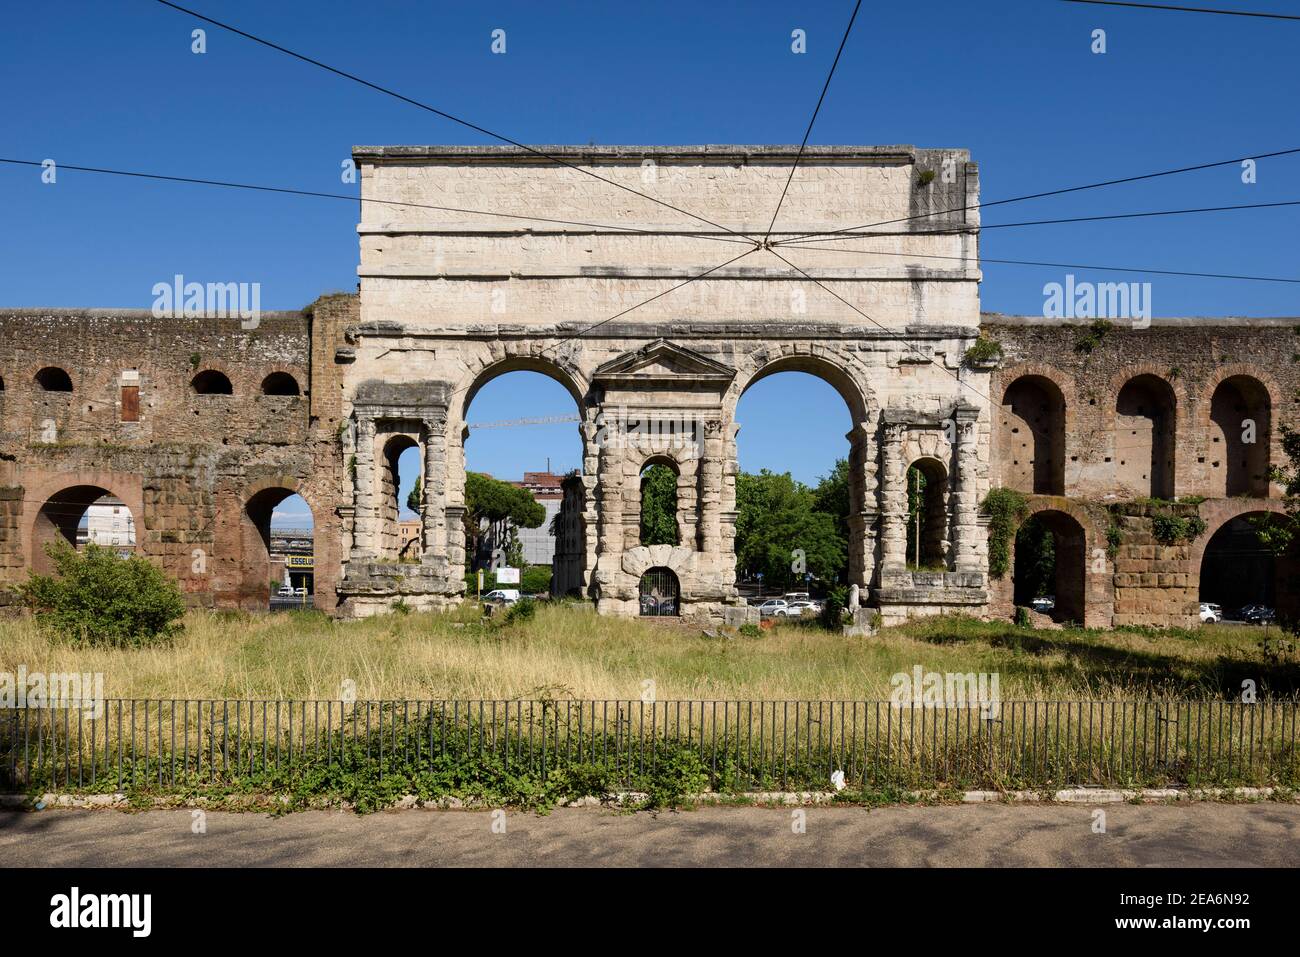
(656, 329)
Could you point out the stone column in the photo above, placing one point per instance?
(862, 532)
(363, 490)
(709, 436)
(893, 500)
(434, 485)
(966, 527)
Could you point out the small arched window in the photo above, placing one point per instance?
(53, 379)
(280, 383)
(211, 382)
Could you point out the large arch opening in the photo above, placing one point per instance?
(1051, 565)
(1033, 436)
(798, 488)
(79, 515)
(1145, 420)
(279, 555)
(292, 554)
(1240, 424)
(1238, 572)
(526, 506)
(927, 515)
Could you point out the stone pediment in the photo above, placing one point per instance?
(664, 362)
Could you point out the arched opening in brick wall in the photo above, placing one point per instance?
(927, 515)
(1051, 563)
(292, 554)
(659, 518)
(211, 382)
(401, 491)
(1032, 439)
(80, 515)
(280, 383)
(279, 551)
(795, 418)
(1240, 432)
(1237, 571)
(1145, 421)
(53, 379)
(522, 427)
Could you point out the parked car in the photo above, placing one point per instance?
(797, 609)
(286, 591)
(1043, 604)
(300, 592)
(501, 596)
(1211, 613)
(793, 596)
(1261, 615)
(772, 606)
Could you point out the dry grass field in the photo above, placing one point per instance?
(569, 652)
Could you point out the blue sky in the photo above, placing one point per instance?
(115, 85)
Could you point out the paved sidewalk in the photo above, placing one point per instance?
(1203, 834)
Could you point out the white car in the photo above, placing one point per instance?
(505, 596)
(773, 606)
(286, 591)
(1211, 613)
(797, 609)
(1044, 604)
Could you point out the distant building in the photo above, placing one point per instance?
(571, 541)
(539, 543)
(109, 523)
(293, 560)
(408, 536)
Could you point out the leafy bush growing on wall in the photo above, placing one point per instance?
(1006, 509)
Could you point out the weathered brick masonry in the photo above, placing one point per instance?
(1070, 432)
(202, 426)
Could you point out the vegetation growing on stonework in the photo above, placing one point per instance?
(983, 350)
(1091, 337)
(1006, 509)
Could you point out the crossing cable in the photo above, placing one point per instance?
(442, 113)
(893, 335)
(356, 199)
(817, 109)
(849, 233)
(1174, 9)
(1027, 262)
(624, 312)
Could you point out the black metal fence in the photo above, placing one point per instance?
(160, 745)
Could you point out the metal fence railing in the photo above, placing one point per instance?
(161, 745)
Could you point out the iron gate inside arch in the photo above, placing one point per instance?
(660, 593)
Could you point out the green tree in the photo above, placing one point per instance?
(414, 498)
(97, 598)
(832, 496)
(659, 506)
(500, 504)
(778, 528)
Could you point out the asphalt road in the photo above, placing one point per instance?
(990, 835)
